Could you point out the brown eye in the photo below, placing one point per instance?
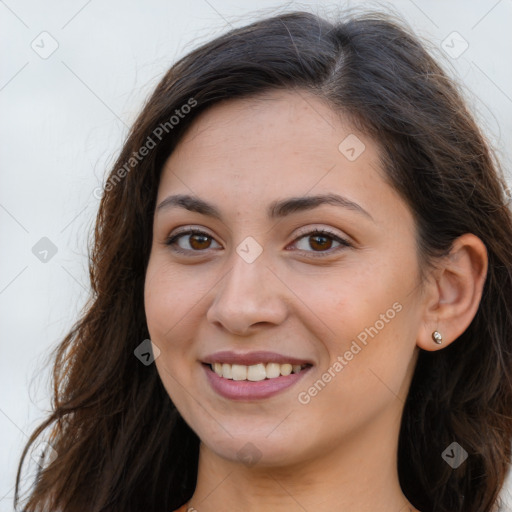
(321, 241)
(190, 241)
(199, 241)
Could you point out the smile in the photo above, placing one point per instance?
(238, 386)
(255, 372)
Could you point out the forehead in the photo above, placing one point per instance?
(282, 122)
(282, 143)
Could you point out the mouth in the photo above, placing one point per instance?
(255, 372)
(253, 382)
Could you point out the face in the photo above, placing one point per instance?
(291, 250)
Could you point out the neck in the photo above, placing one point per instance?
(360, 475)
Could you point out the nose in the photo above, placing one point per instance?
(249, 295)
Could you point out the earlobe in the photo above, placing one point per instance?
(454, 293)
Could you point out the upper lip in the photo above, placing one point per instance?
(252, 358)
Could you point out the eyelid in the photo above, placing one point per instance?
(308, 230)
(312, 231)
(172, 239)
(303, 233)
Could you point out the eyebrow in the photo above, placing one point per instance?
(277, 209)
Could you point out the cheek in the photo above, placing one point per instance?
(373, 364)
(168, 316)
(346, 302)
(366, 321)
(362, 378)
(171, 299)
(174, 307)
(168, 319)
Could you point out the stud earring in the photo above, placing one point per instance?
(436, 336)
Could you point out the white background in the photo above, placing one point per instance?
(64, 119)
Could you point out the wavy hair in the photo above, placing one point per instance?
(121, 443)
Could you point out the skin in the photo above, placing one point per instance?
(338, 451)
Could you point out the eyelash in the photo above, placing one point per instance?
(171, 241)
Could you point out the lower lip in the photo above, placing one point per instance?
(248, 390)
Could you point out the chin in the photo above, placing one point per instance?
(257, 449)
(254, 453)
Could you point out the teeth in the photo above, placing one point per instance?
(255, 372)
(239, 372)
(286, 369)
(226, 371)
(273, 370)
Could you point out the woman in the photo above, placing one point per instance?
(310, 228)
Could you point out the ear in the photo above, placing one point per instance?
(453, 292)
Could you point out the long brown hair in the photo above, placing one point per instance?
(121, 443)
